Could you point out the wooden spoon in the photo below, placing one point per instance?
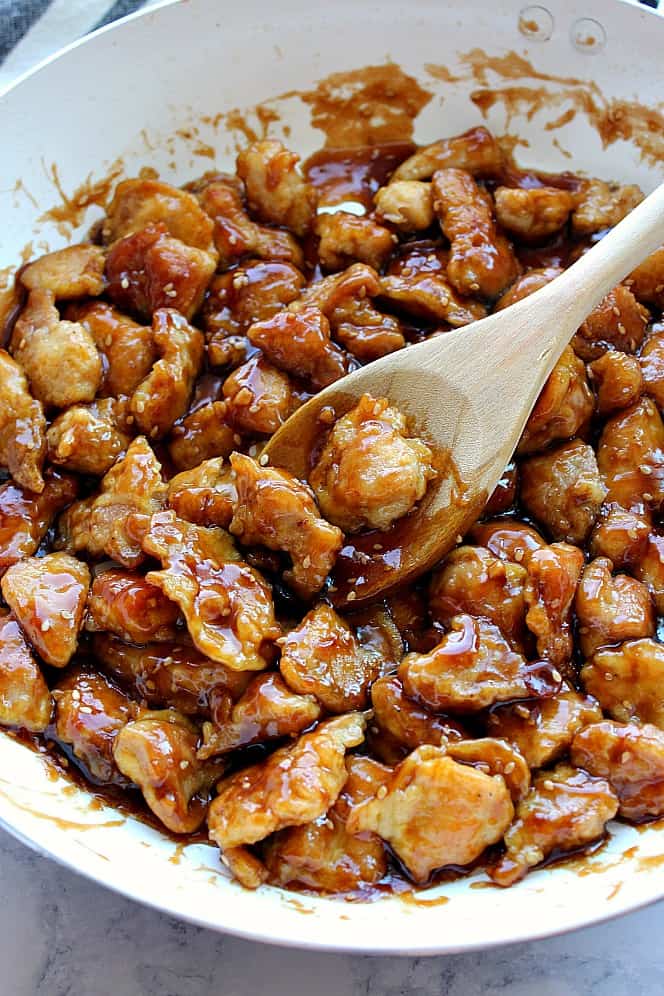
(468, 392)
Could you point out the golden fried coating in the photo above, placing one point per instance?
(630, 457)
(408, 722)
(276, 192)
(124, 603)
(430, 296)
(602, 205)
(646, 282)
(141, 202)
(22, 427)
(88, 439)
(564, 407)
(618, 380)
(621, 536)
(406, 205)
(259, 398)
(611, 608)
(651, 362)
(476, 151)
(202, 435)
(127, 348)
(532, 214)
(563, 491)
(494, 757)
(526, 285)
(75, 271)
(627, 681)
(508, 539)
(550, 588)
(206, 494)
(25, 516)
(299, 343)
(649, 569)
(618, 322)
(346, 238)
(25, 700)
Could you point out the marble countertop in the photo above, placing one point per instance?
(61, 935)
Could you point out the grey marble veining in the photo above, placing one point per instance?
(61, 935)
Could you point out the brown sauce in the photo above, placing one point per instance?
(354, 174)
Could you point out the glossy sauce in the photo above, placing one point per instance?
(341, 175)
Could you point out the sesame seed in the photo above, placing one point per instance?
(509, 767)
(522, 711)
(647, 496)
(124, 283)
(237, 439)
(46, 625)
(378, 546)
(616, 310)
(352, 595)
(645, 469)
(459, 538)
(556, 675)
(76, 695)
(184, 765)
(547, 784)
(140, 407)
(621, 329)
(306, 562)
(625, 756)
(263, 459)
(86, 709)
(518, 556)
(627, 704)
(608, 676)
(382, 792)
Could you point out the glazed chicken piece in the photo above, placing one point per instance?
(549, 591)
(346, 238)
(602, 205)
(25, 701)
(631, 758)
(25, 516)
(651, 362)
(650, 569)
(299, 343)
(564, 407)
(630, 456)
(472, 667)
(476, 151)
(563, 491)
(618, 381)
(59, 358)
(621, 536)
(150, 269)
(275, 510)
(227, 605)
(75, 271)
(481, 260)
(406, 205)
(259, 398)
(431, 297)
(321, 657)
(508, 539)
(141, 202)
(89, 714)
(646, 282)
(126, 347)
(124, 603)
(611, 608)
(205, 495)
(164, 395)
(534, 214)
(88, 439)
(628, 681)
(407, 722)
(526, 285)
(276, 191)
(266, 710)
(435, 812)
(543, 731)
(47, 596)
(293, 786)
(203, 434)
(113, 522)
(494, 757)
(618, 322)
(323, 854)
(474, 581)
(22, 427)
(565, 809)
(370, 472)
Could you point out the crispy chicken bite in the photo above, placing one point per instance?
(25, 700)
(565, 809)
(563, 491)
(494, 757)
(126, 347)
(88, 439)
(618, 322)
(650, 569)
(25, 516)
(370, 472)
(435, 812)
(611, 608)
(431, 297)
(259, 397)
(226, 604)
(602, 205)
(203, 434)
(621, 536)
(141, 202)
(630, 457)
(406, 205)
(124, 603)
(564, 407)
(646, 282)
(47, 596)
(346, 238)
(476, 151)
(549, 591)
(276, 191)
(508, 539)
(526, 285)
(532, 214)
(299, 343)
(75, 271)
(205, 494)
(618, 381)
(22, 427)
(628, 681)
(651, 361)
(631, 758)
(406, 721)
(275, 510)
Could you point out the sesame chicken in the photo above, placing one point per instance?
(611, 608)
(562, 490)
(627, 681)
(25, 701)
(22, 427)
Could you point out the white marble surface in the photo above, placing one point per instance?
(60, 935)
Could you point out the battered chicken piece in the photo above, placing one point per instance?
(618, 322)
(532, 214)
(227, 606)
(618, 381)
(631, 758)
(267, 710)
(25, 517)
(471, 668)
(150, 269)
(563, 491)
(370, 473)
(22, 427)
(481, 260)
(293, 786)
(408, 722)
(435, 812)
(202, 435)
(88, 439)
(630, 457)
(322, 854)
(204, 495)
(47, 596)
(113, 522)
(321, 657)
(126, 347)
(157, 752)
(544, 730)
(275, 510)
(25, 700)
(406, 205)
(59, 358)
(621, 536)
(602, 205)
(650, 569)
(430, 296)
(378, 635)
(164, 395)
(564, 407)
(476, 151)
(346, 238)
(646, 282)
(276, 191)
(75, 271)
(628, 681)
(89, 714)
(495, 757)
(141, 202)
(611, 609)
(651, 362)
(565, 809)
(299, 343)
(526, 285)
(124, 603)
(553, 574)
(508, 539)
(259, 398)
(474, 581)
